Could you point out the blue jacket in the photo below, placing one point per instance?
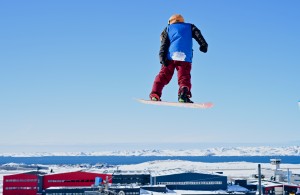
(181, 43)
(177, 42)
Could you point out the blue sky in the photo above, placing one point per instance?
(70, 71)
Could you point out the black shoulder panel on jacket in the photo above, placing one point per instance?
(196, 33)
(164, 45)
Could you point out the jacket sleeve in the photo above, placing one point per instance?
(164, 46)
(198, 37)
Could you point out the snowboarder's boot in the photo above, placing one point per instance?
(183, 96)
(154, 97)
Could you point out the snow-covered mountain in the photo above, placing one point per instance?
(220, 151)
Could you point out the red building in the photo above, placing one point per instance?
(72, 179)
(22, 184)
(33, 183)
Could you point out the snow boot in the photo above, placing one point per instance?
(183, 96)
(154, 97)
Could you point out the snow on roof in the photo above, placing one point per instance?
(178, 171)
(236, 188)
(153, 172)
(68, 187)
(267, 183)
(186, 192)
(131, 172)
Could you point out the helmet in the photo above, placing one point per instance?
(176, 18)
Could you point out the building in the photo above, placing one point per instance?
(274, 187)
(33, 183)
(129, 177)
(179, 180)
(281, 175)
(118, 182)
(29, 183)
(69, 190)
(73, 179)
(94, 190)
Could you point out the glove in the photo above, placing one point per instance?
(164, 63)
(203, 49)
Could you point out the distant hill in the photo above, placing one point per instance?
(218, 151)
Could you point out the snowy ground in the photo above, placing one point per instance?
(230, 169)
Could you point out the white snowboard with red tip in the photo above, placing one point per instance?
(178, 104)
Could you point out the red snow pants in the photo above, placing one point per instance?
(166, 73)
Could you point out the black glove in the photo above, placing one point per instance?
(203, 49)
(164, 62)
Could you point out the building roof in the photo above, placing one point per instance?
(28, 173)
(67, 187)
(131, 172)
(180, 171)
(272, 183)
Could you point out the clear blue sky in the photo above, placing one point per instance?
(70, 70)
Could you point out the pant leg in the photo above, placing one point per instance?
(163, 78)
(184, 75)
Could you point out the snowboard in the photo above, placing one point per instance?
(203, 105)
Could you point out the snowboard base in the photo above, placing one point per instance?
(204, 105)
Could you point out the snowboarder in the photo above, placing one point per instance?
(176, 53)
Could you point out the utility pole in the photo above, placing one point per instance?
(259, 179)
